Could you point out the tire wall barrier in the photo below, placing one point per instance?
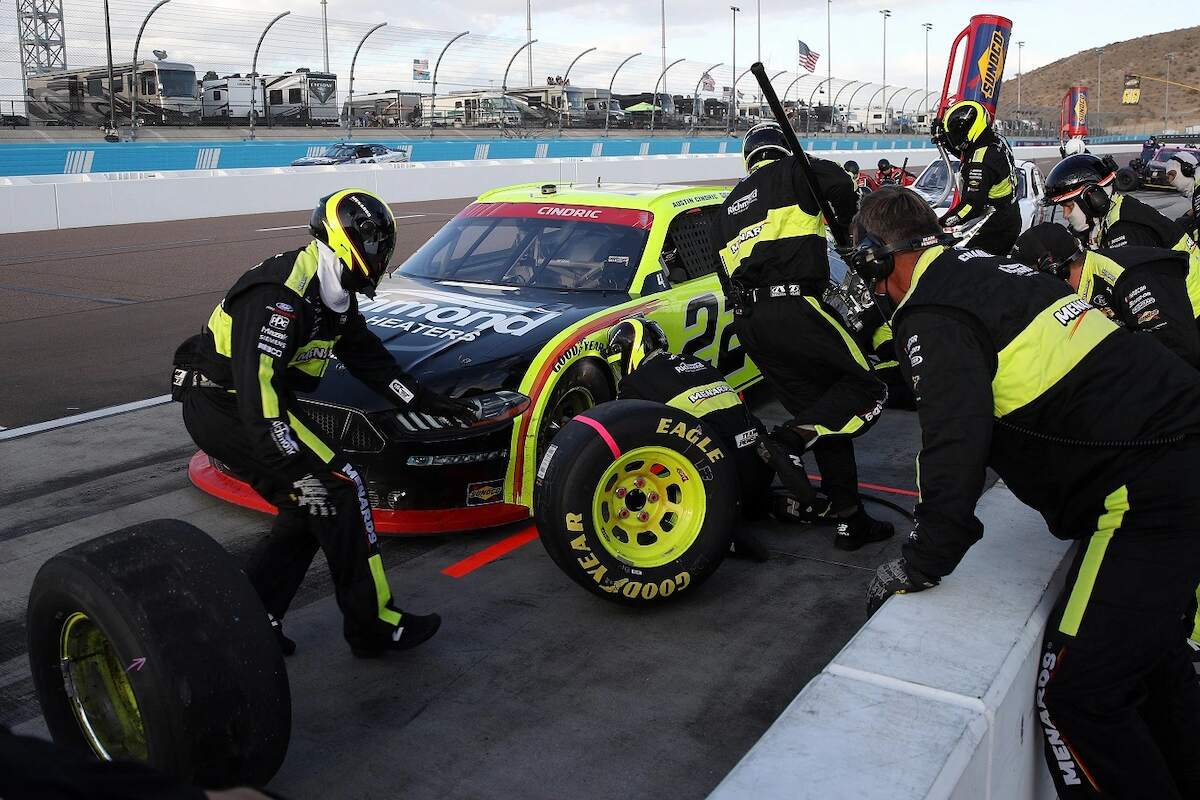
(48, 202)
(934, 696)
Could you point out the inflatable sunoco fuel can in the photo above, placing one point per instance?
(1073, 116)
(977, 57)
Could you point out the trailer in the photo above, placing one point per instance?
(224, 100)
(390, 109)
(302, 97)
(167, 95)
(478, 109)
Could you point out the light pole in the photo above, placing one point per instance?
(433, 88)
(562, 106)
(829, 56)
(886, 13)
(928, 26)
(654, 97)
(529, 36)
(112, 98)
(504, 82)
(608, 105)
(834, 104)
(758, 51)
(729, 121)
(134, 75)
(1099, 60)
(1020, 52)
(1167, 106)
(254, 72)
(353, 61)
(325, 35)
(662, 12)
(696, 94)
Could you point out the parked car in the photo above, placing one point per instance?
(1149, 170)
(353, 153)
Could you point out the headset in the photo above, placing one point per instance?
(874, 262)
(1185, 169)
(1094, 201)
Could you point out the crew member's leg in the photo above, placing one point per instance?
(998, 232)
(1115, 637)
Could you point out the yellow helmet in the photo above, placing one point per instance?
(360, 229)
(965, 122)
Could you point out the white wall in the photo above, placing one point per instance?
(933, 698)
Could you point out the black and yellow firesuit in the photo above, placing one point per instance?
(270, 338)
(1096, 428)
(775, 260)
(988, 175)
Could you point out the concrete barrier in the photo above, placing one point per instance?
(46, 202)
(933, 698)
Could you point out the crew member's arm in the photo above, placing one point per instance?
(1155, 301)
(838, 189)
(951, 375)
(977, 180)
(267, 325)
(1124, 233)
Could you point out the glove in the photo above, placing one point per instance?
(438, 405)
(895, 577)
(937, 134)
(312, 496)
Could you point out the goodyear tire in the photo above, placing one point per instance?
(1127, 180)
(636, 501)
(149, 644)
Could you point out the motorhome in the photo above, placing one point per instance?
(228, 99)
(167, 95)
(384, 109)
(479, 109)
(302, 97)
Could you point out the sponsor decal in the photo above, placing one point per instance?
(576, 350)
(1140, 304)
(569, 212)
(991, 65)
(684, 367)
(178, 377)
(272, 334)
(1071, 310)
(743, 237)
(629, 588)
(281, 435)
(315, 352)
(545, 465)
(284, 308)
(692, 435)
(321, 88)
(448, 316)
(485, 492)
(691, 201)
(1148, 316)
(618, 259)
(705, 394)
(279, 322)
(401, 391)
(628, 217)
(912, 348)
(269, 350)
(1062, 753)
(745, 438)
(364, 504)
(742, 203)
(967, 255)
(1017, 269)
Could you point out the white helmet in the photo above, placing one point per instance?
(1183, 166)
(1073, 147)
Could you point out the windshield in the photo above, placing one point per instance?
(178, 82)
(340, 151)
(544, 246)
(934, 178)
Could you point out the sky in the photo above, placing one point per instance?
(220, 35)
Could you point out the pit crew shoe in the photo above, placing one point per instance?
(1194, 649)
(286, 645)
(858, 529)
(786, 507)
(747, 545)
(413, 630)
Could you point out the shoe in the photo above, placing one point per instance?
(1194, 647)
(286, 645)
(747, 545)
(785, 507)
(412, 631)
(858, 529)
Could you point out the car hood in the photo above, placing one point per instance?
(461, 338)
(315, 161)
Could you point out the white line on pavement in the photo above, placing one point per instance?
(87, 416)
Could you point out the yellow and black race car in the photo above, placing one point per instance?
(517, 294)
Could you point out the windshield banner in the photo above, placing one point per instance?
(626, 217)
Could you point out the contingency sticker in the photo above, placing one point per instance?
(545, 465)
(485, 492)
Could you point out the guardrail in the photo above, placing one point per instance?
(933, 697)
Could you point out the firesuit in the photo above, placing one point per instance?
(988, 181)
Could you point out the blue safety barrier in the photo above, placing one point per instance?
(51, 159)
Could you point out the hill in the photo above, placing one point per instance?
(1043, 88)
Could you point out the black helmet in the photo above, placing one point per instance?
(884, 164)
(965, 124)
(631, 341)
(360, 229)
(1048, 247)
(764, 141)
(851, 167)
(1077, 178)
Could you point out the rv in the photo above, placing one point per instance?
(384, 109)
(228, 99)
(478, 109)
(553, 99)
(166, 95)
(300, 98)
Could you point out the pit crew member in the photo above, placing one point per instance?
(988, 176)
(889, 174)
(272, 336)
(776, 271)
(1140, 288)
(1182, 174)
(1096, 428)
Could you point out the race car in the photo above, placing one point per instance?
(1030, 187)
(352, 153)
(516, 294)
(1149, 169)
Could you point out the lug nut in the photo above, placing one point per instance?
(643, 516)
(621, 492)
(652, 497)
(623, 513)
(639, 482)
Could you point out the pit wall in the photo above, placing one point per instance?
(934, 696)
(49, 202)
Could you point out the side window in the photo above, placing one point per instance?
(149, 86)
(294, 96)
(216, 94)
(690, 248)
(95, 87)
(276, 97)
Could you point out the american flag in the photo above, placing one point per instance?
(808, 59)
(707, 83)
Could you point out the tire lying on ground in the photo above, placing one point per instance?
(149, 644)
(1127, 180)
(636, 501)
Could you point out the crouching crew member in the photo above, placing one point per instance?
(987, 175)
(777, 269)
(1140, 288)
(1182, 174)
(1095, 427)
(271, 337)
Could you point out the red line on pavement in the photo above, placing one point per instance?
(491, 553)
(877, 487)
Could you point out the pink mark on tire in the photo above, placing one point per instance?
(604, 434)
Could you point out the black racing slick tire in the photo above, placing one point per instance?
(149, 644)
(636, 501)
(1127, 180)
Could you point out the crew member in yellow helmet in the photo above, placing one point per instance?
(987, 178)
(270, 338)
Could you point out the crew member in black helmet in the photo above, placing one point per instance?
(774, 254)
(988, 176)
